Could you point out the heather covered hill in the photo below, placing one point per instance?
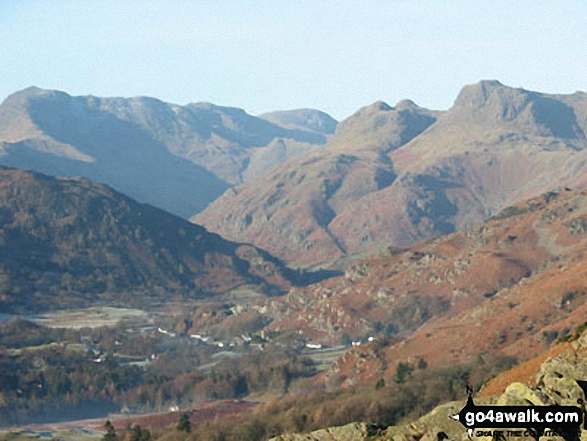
(179, 158)
(69, 241)
(395, 175)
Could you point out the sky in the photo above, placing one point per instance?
(262, 55)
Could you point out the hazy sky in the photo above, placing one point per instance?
(266, 55)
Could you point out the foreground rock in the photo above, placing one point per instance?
(555, 384)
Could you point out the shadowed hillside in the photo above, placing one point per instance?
(68, 241)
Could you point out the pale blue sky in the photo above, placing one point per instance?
(266, 55)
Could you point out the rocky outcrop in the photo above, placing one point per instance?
(556, 383)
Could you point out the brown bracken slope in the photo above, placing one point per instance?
(510, 286)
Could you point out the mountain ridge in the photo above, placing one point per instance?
(416, 174)
(192, 153)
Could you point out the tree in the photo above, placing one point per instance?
(380, 384)
(110, 432)
(136, 433)
(145, 435)
(250, 431)
(402, 372)
(139, 434)
(346, 340)
(184, 424)
(389, 330)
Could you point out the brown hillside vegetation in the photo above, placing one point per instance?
(510, 286)
(544, 240)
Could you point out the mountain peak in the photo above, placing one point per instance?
(476, 95)
(306, 119)
(490, 102)
(380, 106)
(490, 83)
(25, 94)
(406, 104)
(30, 90)
(380, 126)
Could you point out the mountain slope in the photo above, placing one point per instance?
(411, 174)
(292, 209)
(556, 377)
(178, 158)
(68, 241)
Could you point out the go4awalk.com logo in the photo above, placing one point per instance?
(563, 421)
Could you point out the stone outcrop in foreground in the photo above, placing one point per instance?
(556, 383)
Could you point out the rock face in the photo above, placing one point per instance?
(69, 241)
(178, 158)
(395, 175)
(429, 426)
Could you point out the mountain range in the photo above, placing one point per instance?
(396, 175)
(298, 184)
(386, 176)
(179, 158)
